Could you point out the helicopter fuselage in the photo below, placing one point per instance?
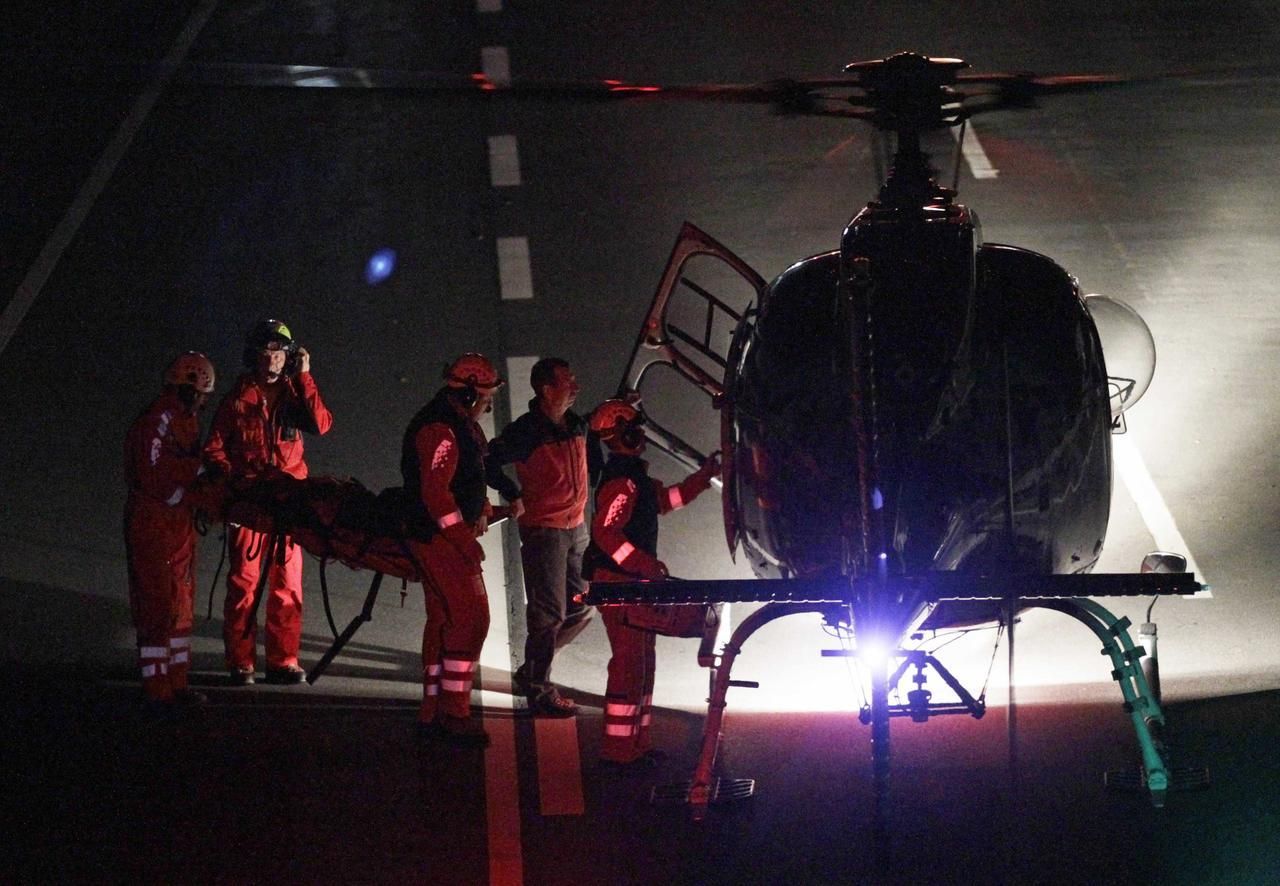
(982, 383)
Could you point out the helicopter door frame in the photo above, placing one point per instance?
(667, 344)
(659, 336)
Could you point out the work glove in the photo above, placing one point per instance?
(658, 572)
(701, 478)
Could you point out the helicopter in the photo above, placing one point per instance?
(915, 427)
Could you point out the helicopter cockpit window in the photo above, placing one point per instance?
(677, 411)
(700, 314)
(706, 304)
(707, 301)
(1128, 350)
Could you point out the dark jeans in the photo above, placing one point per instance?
(552, 561)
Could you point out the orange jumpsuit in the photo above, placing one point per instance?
(256, 430)
(624, 541)
(443, 460)
(161, 461)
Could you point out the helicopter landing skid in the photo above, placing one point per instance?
(1155, 774)
(703, 790)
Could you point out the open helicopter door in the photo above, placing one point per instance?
(693, 335)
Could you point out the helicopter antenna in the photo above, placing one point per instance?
(955, 159)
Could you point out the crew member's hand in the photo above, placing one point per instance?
(482, 525)
(304, 359)
(661, 570)
(702, 476)
(711, 467)
(517, 508)
(463, 537)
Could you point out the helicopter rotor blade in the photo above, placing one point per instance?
(866, 93)
(1013, 91)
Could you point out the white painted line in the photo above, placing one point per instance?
(488, 5)
(1155, 514)
(496, 694)
(38, 275)
(725, 631)
(515, 274)
(495, 62)
(974, 155)
(559, 766)
(501, 780)
(317, 82)
(519, 391)
(504, 161)
(502, 803)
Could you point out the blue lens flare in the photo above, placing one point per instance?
(381, 264)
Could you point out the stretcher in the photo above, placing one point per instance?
(332, 519)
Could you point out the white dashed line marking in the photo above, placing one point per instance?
(495, 62)
(1155, 513)
(504, 161)
(974, 155)
(515, 275)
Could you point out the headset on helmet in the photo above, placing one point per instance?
(192, 368)
(618, 422)
(468, 375)
(262, 334)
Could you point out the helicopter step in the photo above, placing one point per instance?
(1179, 779)
(720, 790)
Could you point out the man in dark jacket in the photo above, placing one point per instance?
(556, 459)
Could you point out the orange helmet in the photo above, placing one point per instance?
(472, 370)
(617, 421)
(192, 368)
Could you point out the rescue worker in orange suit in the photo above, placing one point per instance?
(161, 463)
(257, 432)
(555, 458)
(624, 547)
(442, 460)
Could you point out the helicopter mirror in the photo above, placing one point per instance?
(1128, 350)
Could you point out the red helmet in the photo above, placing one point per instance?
(617, 421)
(472, 371)
(192, 368)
